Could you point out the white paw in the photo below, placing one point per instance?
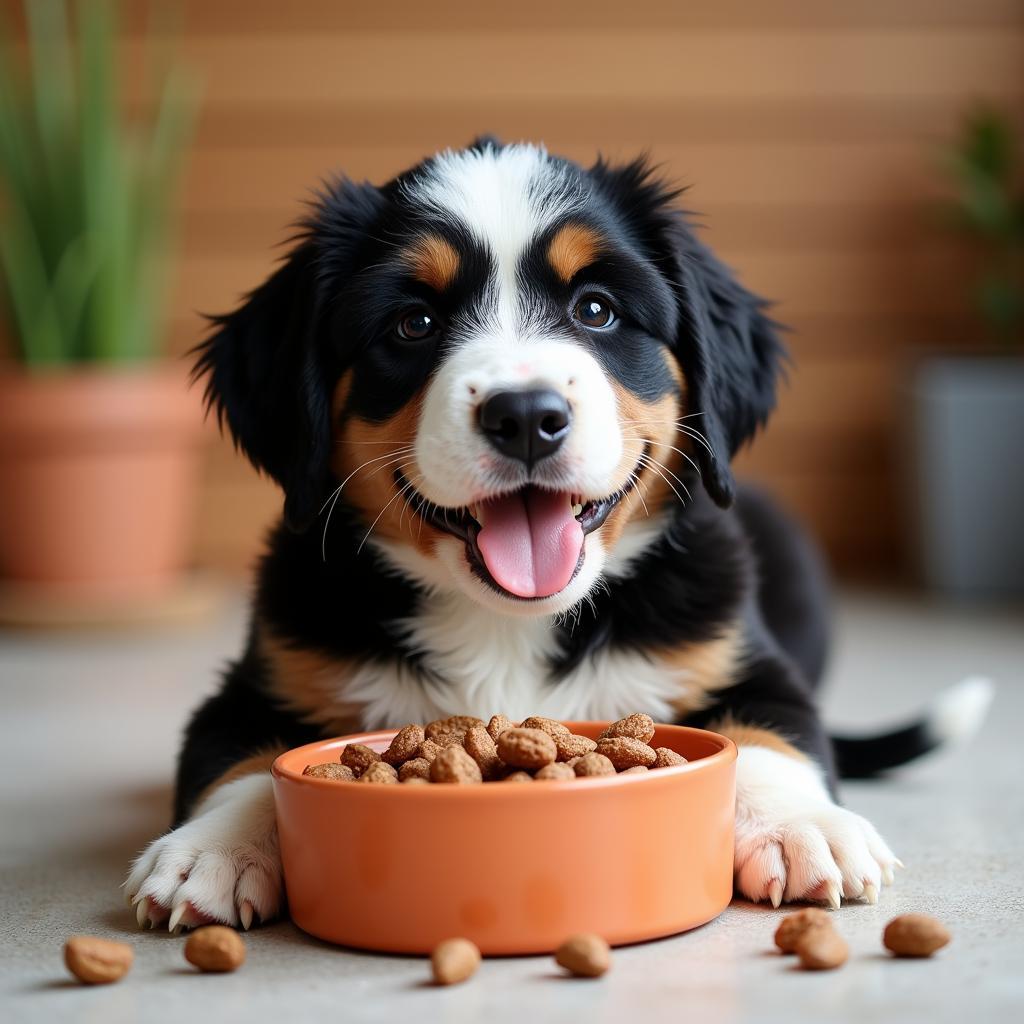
(222, 865)
(793, 843)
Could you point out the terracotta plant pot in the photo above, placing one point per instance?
(98, 474)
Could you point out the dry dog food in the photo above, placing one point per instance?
(821, 948)
(793, 926)
(454, 960)
(585, 955)
(97, 961)
(809, 934)
(215, 949)
(464, 750)
(915, 935)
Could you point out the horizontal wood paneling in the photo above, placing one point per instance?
(807, 129)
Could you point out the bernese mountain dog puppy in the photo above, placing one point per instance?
(501, 394)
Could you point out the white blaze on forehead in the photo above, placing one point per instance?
(504, 198)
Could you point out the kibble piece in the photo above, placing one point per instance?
(585, 955)
(554, 772)
(497, 725)
(429, 750)
(636, 726)
(625, 752)
(792, 926)
(453, 764)
(821, 948)
(97, 961)
(569, 745)
(518, 777)
(415, 780)
(417, 768)
(380, 773)
(548, 725)
(479, 745)
(637, 769)
(404, 746)
(448, 739)
(526, 748)
(915, 935)
(593, 764)
(459, 724)
(215, 949)
(454, 960)
(359, 757)
(666, 758)
(330, 770)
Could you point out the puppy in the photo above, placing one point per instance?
(501, 394)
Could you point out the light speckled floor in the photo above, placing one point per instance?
(88, 731)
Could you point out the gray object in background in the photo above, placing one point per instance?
(967, 435)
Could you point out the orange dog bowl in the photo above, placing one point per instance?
(515, 868)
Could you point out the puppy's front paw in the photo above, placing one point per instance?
(223, 865)
(793, 843)
(821, 854)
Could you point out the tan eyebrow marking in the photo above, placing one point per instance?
(434, 261)
(573, 247)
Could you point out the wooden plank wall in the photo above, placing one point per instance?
(806, 128)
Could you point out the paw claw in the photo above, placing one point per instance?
(174, 923)
(870, 893)
(142, 912)
(887, 876)
(245, 915)
(898, 862)
(775, 892)
(833, 895)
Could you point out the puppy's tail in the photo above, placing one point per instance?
(955, 716)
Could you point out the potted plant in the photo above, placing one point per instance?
(968, 408)
(98, 435)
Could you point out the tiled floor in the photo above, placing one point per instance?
(88, 732)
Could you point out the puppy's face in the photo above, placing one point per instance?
(515, 392)
(501, 348)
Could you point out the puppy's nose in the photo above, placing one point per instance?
(525, 425)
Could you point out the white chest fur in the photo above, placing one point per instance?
(479, 662)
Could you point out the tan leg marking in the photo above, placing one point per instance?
(709, 666)
(755, 736)
(309, 683)
(259, 762)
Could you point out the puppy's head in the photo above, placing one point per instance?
(505, 365)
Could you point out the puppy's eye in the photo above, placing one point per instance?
(417, 326)
(594, 312)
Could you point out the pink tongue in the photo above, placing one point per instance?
(530, 542)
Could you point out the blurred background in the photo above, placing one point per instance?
(858, 163)
(853, 162)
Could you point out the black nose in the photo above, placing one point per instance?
(525, 425)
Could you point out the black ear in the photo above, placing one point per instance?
(264, 379)
(731, 355)
(726, 345)
(271, 366)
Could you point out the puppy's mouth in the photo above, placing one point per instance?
(527, 544)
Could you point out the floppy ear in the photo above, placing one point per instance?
(731, 357)
(726, 345)
(265, 381)
(270, 373)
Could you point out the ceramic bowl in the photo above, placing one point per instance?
(514, 867)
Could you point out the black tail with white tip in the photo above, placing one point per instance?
(955, 716)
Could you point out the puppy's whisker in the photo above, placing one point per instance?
(661, 465)
(395, 497)
(657, 468)
(394, 456)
